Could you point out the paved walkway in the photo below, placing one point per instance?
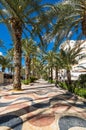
(41, 106)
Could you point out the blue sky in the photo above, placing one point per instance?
(6, 37)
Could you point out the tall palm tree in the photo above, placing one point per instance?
(69, 58)
(4, 62)
(17, 15)
(10, 55)
(79, 14)
(57, 65)
(50, 60)
(70, 19)
(29, 50)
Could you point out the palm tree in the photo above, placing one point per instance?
(49, 60)
(29, 50)
(69, 58)
(17, 15)
(10, 56)
(4, 62)
(57, 65)
(79, 14)
(37, 67)
(70, 19)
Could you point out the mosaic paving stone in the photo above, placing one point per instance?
(42, 120)
(8, 103)
(5, 128)
(39, 107)
(12, 121)
(67, 122)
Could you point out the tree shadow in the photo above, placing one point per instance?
(42, 105)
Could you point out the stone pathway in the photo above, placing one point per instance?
(41, 106)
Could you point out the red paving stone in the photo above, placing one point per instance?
(42, 120)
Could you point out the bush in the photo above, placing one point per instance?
(81, 92)
(32, 79)
(63, 85)
(51, 81)
(82, 80)
(75, 87)
(45, 76)
(26, 82)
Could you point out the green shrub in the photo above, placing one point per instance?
(70, 87)
(51, 81)
(82, 92)
(26, 82)
(32, 79)
(45, 76)
(82, 80)
(75, 87)
(63, 85)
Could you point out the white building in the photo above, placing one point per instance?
(79, 68)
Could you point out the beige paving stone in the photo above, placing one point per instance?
(77, 128)
(5, 128)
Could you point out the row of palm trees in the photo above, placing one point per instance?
(18, 16)
(45, 22)
(64, 59)
(30, 52)
(51, 60)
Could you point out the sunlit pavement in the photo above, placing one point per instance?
(41, 106)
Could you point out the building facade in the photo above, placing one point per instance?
(80, 67)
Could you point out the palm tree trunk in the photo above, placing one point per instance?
(51, 73)
(17, 30)
(33, 71)
(84, 24)
(56, 76)
(27, 68)
(69, 76)
(57, 73)
(33, 68)
(3, 69)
